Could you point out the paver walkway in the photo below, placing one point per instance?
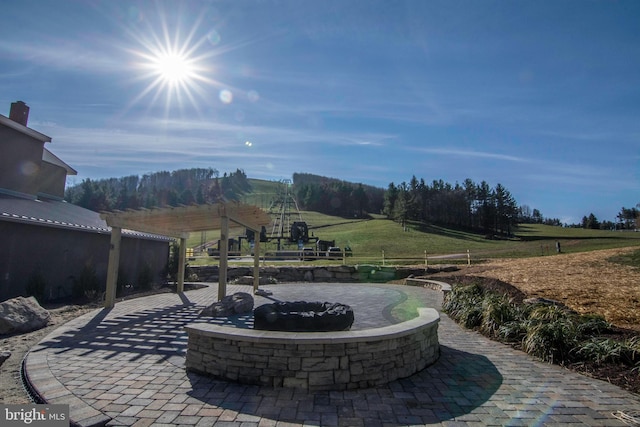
(125, 366)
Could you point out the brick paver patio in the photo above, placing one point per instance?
(125, 367)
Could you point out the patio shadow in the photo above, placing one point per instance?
(454, 386)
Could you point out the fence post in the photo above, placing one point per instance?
(383, 257)
(426, 260)
(468, 257)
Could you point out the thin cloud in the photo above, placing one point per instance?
(585, 176)
(471, 154)
(594, 136)
(67, 56)
(267, 135)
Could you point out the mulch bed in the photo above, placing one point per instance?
(618, 374)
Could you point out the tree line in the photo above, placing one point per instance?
(180, 187)
(335, 197)
(468, 205)
(627, 219)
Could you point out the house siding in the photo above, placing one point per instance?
(52, 180)
(59, 255)
(20, 161)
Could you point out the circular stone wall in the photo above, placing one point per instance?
(315, 361)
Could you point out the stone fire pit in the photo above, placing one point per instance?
(303, 316)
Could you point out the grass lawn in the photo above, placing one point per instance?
(371, 239)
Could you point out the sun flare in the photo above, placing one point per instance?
(173, 68)
(173, 64)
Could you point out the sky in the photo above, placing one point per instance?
(542, 97)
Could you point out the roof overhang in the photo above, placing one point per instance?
(49, 157)
(4, 120)
(181, 220)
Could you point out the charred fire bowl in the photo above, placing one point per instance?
(303, 316)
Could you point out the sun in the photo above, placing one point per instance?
(173, 68)
(178, 73)
(172, 58)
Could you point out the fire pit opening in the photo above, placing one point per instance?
(303, 316)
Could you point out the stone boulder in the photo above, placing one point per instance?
(22, 314)
(238, 303)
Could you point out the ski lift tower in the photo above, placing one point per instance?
(282, 209)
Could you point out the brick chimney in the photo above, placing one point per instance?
(19, 112)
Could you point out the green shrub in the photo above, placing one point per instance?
(542, 313)
(551, 342)
(608, 350)
(513, 331)
(464, 304)
(460, 297)
(551, 333)
(600, 350)
(592, 324)
(145, 277)
(36, 286)
(472, 317)
(171, 268)
(497, 310)
(87, 284)
(121, 283)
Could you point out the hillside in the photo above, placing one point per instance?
(369, 237)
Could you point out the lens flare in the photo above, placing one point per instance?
(213, 37)
(253, 96)
(226, 96)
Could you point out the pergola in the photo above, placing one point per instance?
(178, 222)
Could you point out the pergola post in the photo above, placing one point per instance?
(224, 253)
(256, 265)
(112, 268)
(182, 262)
(177, 222)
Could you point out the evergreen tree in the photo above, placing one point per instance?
(360, 200)
(390, 197)
(506, 209)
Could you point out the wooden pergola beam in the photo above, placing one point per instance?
(178, 222)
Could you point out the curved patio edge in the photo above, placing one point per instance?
(429, 284)
(44, 387)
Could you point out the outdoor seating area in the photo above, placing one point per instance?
(339, 360)
(126, 366)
